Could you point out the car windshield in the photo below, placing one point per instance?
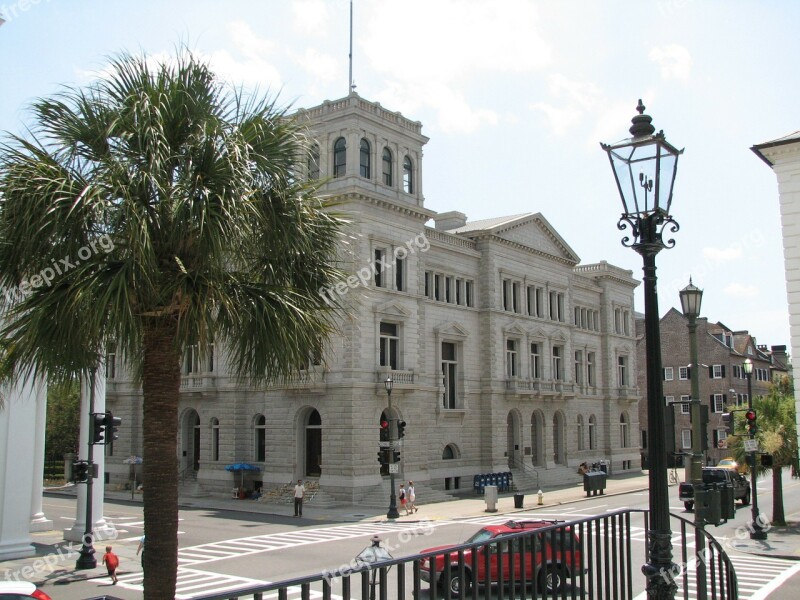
(480, 536)
(714, 477)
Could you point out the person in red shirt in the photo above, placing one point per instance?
(111, 561)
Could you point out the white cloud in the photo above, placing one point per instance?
(740, 290)
(575, 100)
(674, 60)
(723, 254)
(314, 17)
(435, 47)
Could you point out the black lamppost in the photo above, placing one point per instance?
(757, 531)
(644, 168)
(392, 514)
(691, 299)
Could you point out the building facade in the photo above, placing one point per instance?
(721, 354)
(505, 352)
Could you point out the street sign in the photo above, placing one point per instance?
(394, 467)
(383, 444)
(751, 445)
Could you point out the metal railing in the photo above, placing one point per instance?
(597, 562)
(519, 463)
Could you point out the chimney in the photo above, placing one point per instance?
(450, 220)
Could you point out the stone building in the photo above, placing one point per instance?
(505, 352)
(721, 354)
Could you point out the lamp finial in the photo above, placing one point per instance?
(642, 123)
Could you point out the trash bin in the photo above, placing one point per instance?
(490, 492)
(604, 467)
(518, 498)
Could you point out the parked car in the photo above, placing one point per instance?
(724, 474)
(21, 590)
(550, 557)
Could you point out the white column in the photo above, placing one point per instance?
(17, 420)
(38, 520)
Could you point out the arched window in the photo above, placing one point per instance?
(313, 162)
(215, 439)
(388, 167)
(592, 433)
(365, 159)
(339, 157)
(408, 176)
(260, 454)
(450, 452)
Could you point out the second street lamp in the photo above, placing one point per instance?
(691, 299)
(757, 532)
(644, 169)
(393, 513)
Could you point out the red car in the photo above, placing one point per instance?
(548, 558)
(21, 590)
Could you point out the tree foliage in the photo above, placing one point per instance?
(63, 418)
(155, 209)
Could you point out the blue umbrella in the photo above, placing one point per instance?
(242, 467)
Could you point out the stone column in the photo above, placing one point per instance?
(38, 521)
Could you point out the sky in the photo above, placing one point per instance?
(515, 96)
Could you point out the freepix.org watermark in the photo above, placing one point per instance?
(46, 276)
(387, 262)
(9, 12)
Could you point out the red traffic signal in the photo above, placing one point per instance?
(750, 417)
(384, 424)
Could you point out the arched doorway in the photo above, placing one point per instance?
(537, 439)
(559, 450)
(513, 444)
(190, 442)
(313, 431)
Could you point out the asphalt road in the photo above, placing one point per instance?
(223, 550)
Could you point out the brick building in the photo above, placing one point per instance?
(721, 354)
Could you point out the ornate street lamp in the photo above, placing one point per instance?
(644, 168)
(691, 299)
(757, 532)
(393, 513)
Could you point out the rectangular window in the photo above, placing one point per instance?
(191, 360)
(590, 369)
(686, 438)
(683, 373)
(449, 374)
(380, 258)
(622, 370)
(515, 304)
(400, 274)
(668, 374)
(511, 358)
(437, 287)
(429, 284)
(468, 293)
(459, 291)
(539, 302)
(448, 289)
(736, 371)
(685, 406)
(558, 367)
(553, 306)
(579, 367)
(719, 403)
(507, 294)
(717, 372)
(531, 300)
(536, 361)
(389, 345)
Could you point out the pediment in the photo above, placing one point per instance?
(538, 332)
(451, 329)
(514, 328)
(392, 309)
(535, 232)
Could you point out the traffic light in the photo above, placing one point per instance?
(401, 429)
(395, 456)
(112, 426)
(80, 471)
(383, 456)
(384, 437)
(727, 420)
(98, 428)
(750, 418)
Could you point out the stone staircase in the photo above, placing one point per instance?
(531, 480)
(284, 494)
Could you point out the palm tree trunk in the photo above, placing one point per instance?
(161, 378)
(778, 514)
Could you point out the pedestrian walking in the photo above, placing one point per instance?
(111, 561)
(140, 549)
(403, 499)
(412, 497)
(299, 494)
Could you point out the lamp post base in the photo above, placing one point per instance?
(86, 558)
(661, 571)
(758, 533)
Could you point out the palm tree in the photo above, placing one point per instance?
(154, 209)
(776, 436)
